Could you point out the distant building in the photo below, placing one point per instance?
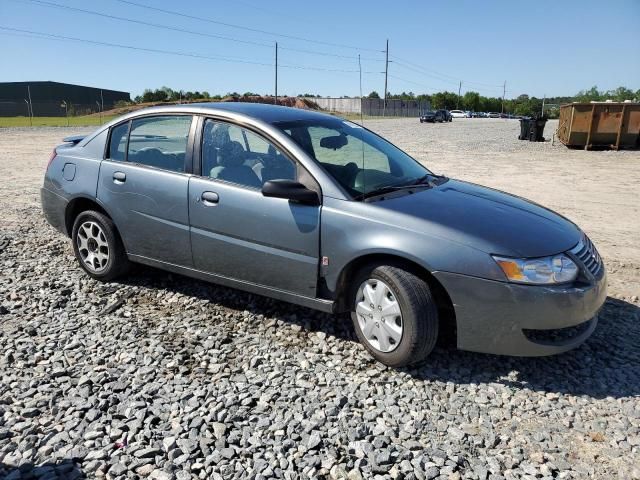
(48, 99)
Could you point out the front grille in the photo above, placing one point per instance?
(587, 254)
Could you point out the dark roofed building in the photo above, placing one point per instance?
(47, 98)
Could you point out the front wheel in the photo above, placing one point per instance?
(394, 315)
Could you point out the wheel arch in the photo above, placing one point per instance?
(78, 205)
(446, 310)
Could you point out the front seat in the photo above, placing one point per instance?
(231, 167)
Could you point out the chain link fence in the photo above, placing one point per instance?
(54, 113)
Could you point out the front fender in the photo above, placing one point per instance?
(350, 231)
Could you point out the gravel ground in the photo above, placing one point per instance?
(159, 376)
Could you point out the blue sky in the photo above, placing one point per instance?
(557, 48)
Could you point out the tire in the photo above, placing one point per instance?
(94, 236)
(418, 322)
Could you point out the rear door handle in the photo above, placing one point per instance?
(119, 177)
(209, 198)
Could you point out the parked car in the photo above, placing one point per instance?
(446, 115)
(493, 115)
(432, 117)
(318, 211)
(458, 114)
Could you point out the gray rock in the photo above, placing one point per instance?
(149, 452)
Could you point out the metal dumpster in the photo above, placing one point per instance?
(600, 125)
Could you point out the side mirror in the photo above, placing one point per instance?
(291, 190)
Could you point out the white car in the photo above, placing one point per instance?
(458, 114)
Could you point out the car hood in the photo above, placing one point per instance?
(484, 218)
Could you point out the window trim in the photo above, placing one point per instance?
(189, 148)
(301, 171)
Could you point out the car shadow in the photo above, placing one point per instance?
(307, 318)
(607, 365)
(64, 469)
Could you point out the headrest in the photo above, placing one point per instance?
(231, 155)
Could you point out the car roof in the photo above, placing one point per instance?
(261, 111)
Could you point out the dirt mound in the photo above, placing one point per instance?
(295, 102)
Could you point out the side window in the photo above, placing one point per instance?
(118, 142)
(160, 142)
(238, 155)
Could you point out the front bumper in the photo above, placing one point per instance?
(504, 318)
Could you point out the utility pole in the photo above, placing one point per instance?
(459, 90)
(504, 91)
(386, 74)
(276, 96)
(101, 102)
(98, 104)
(543, 99)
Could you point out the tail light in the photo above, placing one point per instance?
(51, 157)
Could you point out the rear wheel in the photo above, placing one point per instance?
(98, 247)
(394, 315)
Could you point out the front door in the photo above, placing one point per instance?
(238, 233)
(144, 185)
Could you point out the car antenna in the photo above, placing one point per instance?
(364, 175)
(360, 70)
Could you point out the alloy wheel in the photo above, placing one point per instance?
(93, 246)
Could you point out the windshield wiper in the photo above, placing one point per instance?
(439, 179)
(390, 188)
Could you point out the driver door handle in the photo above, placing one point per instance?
(209, 198)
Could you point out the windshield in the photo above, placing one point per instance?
(358, 159)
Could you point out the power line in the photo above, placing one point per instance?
(45, 3)
(451, 82)
(242, 27)
(415, 83)
(41, 35)
(429, 72)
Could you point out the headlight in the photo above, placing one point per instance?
(539, 271)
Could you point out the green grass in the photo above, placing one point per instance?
(55, 121)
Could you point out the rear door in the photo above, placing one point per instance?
(144, 183)
(238, 233)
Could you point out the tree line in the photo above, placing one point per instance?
(521, 105)
(166, 94)
(472, 101)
